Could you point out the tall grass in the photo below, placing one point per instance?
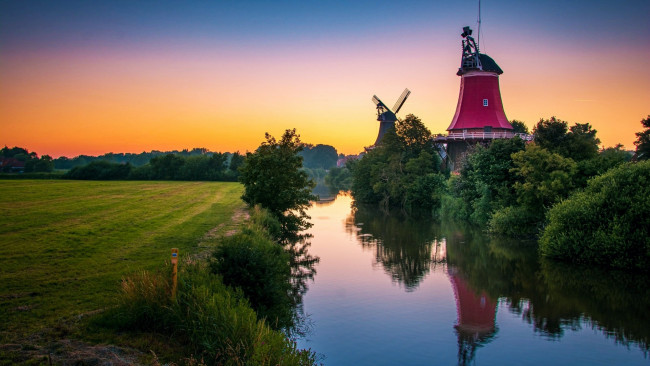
(213, 321)
(229, 311)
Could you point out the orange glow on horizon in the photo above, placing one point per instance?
(92, 102)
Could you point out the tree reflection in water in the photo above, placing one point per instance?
(404, 246)
(552, 297)
(302, 272)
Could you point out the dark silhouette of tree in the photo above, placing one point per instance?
(519, 126)
(643, 141)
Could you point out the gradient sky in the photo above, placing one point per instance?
(90, 77)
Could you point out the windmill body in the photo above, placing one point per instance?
(480, 116)
(387, 117)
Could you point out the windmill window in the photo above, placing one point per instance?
(485, 103)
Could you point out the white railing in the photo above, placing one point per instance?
(481, 136)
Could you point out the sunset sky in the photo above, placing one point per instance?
(90, 77)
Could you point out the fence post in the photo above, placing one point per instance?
(174, 271)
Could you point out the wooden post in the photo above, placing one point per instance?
(174, 271)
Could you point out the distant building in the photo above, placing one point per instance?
(340, 163)
(11, 165)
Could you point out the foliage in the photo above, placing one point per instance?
(236, 160)
(606, 159)
(273, 178)
(485, 183)
(18, 159)
(579, 142)
(213, 167)
(607, 224)
(100, 170)
(215, 323)
(643, 141)
(135, 160)
(403, 171)
(551, 296)
(519, 127)
(549, 134)
(414, 136)
(319, 156)
(317, 174)
(546, 177)
(339, 178)
(515, 221)
(49, 175)
(251, 261)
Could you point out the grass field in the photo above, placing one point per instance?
(65, 245)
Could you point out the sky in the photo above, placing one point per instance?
(91, 77)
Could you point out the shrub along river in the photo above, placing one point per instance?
(394, 290)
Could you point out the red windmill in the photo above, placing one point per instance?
(479, 116)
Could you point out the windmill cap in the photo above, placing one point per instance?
(487, 63)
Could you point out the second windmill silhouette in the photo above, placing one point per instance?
(385, 116)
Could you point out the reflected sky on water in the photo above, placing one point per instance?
(393, 289)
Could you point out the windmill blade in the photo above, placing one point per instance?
(378, 102)
(401, 100)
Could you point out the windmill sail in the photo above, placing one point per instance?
(401, 100)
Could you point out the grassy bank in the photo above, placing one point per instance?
(65, 245)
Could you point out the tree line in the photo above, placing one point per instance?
(212, 167)
(18, 159)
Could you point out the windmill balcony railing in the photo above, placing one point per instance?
(481, 136)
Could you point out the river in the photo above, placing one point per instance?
(394, 290)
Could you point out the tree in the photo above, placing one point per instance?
(319, 156)
(236, 160)
(166, 167)
(273, 178)
(519, 127)
(607, 224)
(403, 171)
(643, 141)
(485, 183)
(549, 134)
(546, 177)
(414, 136)
(578, 142)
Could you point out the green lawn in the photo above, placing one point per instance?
(65, 245)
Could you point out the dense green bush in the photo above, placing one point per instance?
(516, 221)
(606, 224)
(251, 261)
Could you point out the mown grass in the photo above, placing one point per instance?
(65, 245)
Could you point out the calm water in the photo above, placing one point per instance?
(396, 291)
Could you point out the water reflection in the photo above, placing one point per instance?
(405, 247)
(484, 271)
(324, 193)
(552, 296)
(476, 325)
(303, 270)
